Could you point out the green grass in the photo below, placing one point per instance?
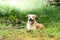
(51, 30)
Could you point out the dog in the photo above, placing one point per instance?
(32, 24)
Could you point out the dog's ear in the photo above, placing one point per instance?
(27, 15)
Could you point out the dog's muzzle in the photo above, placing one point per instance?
(31, 19)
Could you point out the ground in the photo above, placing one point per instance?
(51, 31)
(21, 34)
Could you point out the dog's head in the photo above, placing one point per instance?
(31, 17)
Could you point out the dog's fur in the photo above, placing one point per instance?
(32, 24)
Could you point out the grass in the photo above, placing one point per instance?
(50, 32)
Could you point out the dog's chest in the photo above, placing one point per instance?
(31, 26)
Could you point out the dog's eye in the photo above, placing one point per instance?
(33, 17)
(28, 16)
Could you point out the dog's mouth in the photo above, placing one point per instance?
(31, 20)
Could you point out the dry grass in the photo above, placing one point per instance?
(22, 34)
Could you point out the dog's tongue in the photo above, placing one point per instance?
(30, 22)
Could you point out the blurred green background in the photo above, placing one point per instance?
(18, 9)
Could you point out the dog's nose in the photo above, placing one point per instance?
(31, 19)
